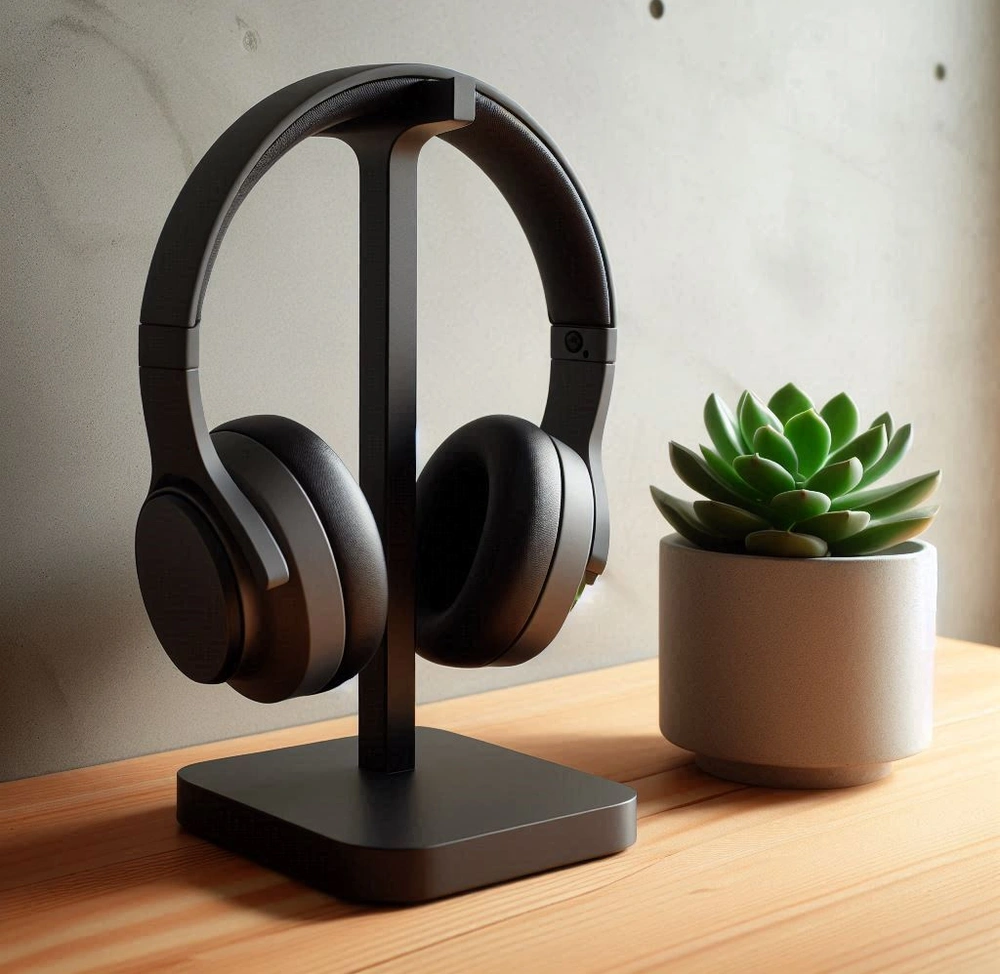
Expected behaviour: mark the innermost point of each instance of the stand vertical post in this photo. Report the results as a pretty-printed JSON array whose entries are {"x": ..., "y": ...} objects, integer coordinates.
[{"x": 387, "y": 150}]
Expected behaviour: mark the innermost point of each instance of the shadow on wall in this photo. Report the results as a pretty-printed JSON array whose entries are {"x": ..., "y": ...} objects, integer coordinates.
[
  {"x": 72, "y": 626},
  {"x": 69, "y": 644},
  {"x": 74, "y": 244},
  {"x": 966, "y": 341}
]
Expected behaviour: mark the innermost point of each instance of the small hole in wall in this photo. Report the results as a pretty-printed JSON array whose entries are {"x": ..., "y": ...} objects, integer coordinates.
[
  {"x": 656, "y": 9},
  {"x": 940, "y": 72}
]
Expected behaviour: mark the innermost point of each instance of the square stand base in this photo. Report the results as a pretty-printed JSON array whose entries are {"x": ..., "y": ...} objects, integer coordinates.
[{"x": 470, "y": 814}]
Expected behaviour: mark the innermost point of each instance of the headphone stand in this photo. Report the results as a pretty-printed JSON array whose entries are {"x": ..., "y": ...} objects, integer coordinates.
[{"x": 400, "y": 814}]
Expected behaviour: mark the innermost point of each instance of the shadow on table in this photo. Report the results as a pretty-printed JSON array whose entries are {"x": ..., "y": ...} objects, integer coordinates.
[
  {"x": 664, "y": 775},
  {"x": 145, "y": 857}
]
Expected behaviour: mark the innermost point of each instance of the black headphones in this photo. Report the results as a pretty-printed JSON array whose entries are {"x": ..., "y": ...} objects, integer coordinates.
[{"x": 259, "y": 560}]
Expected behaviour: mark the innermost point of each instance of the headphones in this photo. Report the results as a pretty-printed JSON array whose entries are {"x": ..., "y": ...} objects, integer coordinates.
[{"x": 258, "y": 557}]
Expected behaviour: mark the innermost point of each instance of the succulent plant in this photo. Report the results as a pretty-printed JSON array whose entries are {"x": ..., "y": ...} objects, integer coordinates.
[{"x": 785, "y": 479}]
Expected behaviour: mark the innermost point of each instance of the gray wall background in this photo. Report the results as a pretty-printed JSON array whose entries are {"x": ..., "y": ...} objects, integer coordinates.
[{"x": 786, "y": 190}]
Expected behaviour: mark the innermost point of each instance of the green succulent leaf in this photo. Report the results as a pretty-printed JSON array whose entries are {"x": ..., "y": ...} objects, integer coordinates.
[
  {"x": 882, "y": 502},
  {"x": 765, "y": 476},
  {"x": 841, "y": 416},
  {"x": 752, "y": 415},
  {"x": 884, "y": 420},
  {"x": 810, "y": 437},
  {"x": 732, "y": 523},
  {"x": 785, "y": 544},
  {"x": 724, "y": 472},
  {"x": 867, "y": 447},
  {"x": 835, "y": 525},
  {"x": 696, "y": 473},
  {"x": 838, "y": 478},
  {"x": 797, "y": 505},
  {"x": 886, "y": 533},
  {"x": 776, "y": 446},
  {"x": 682, "y": 518},
  {"x": 723, "y": 429},
  {"x": 789, "y": 401},
  {"x": 790, "y": 480},
  {"x": 894, "y": 452}
]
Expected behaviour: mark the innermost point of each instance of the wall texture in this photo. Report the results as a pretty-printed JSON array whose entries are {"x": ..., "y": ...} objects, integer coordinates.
[{"x": 786, "y": 191}]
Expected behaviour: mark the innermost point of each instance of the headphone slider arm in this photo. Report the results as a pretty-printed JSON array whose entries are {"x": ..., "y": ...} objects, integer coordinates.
[{"x": 168, "y": 347}]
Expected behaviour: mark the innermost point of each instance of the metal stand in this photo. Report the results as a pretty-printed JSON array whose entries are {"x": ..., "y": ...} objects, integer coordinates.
[{"x": 400, "y": 814}]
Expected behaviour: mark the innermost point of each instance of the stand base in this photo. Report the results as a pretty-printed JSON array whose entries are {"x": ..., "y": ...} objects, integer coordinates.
[{"x": 470, "y": 815}]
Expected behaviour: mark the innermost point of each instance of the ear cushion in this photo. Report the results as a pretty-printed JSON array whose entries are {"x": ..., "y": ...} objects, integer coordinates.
[
  {"x": 347, "y": 521},
  {"x": 488, "y": 510}
]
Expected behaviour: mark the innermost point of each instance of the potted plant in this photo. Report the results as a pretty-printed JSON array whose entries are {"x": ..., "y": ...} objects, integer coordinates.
[{"x": 797, "y": 615}]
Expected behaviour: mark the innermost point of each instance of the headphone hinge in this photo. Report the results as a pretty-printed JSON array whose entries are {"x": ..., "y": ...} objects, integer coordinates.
[
  {"x": 575, "y": 414},
  {"x": 583, "y": 343}
]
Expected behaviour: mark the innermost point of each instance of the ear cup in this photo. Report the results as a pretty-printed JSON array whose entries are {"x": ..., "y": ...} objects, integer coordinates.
[
  {"x": 347, "y": 521},
  {"x": 188, "y": 586},
  {"x": 488, "y": 520}
]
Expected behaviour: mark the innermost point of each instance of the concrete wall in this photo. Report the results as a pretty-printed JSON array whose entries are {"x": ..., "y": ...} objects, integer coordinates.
[{"x": 787, "y": 191}]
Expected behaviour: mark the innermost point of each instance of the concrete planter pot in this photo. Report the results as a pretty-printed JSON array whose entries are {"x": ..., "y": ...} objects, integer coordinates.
[{"x": 797, "y": 673}]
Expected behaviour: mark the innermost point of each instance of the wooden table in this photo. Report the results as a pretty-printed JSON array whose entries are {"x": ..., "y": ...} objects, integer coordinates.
[{"x": 902, "y": 874}]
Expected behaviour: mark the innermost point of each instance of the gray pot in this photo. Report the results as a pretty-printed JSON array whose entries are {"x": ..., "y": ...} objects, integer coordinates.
[{"x": 797, "y": 672}]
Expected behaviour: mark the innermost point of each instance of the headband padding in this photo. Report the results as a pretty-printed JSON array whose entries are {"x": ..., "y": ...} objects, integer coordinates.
[
  {"x": 347, "y": 521},
  {"x": 502, "y": 141},
  {"x": 552, "y": 212},
  {"x": 488, "y": 509}
]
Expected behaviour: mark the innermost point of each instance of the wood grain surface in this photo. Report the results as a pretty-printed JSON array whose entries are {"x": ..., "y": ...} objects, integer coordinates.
[{"x": 899, "y": 875}]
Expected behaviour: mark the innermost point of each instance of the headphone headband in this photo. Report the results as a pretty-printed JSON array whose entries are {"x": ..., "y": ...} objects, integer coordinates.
[{"x": 503, "y": 141}]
